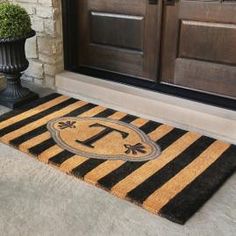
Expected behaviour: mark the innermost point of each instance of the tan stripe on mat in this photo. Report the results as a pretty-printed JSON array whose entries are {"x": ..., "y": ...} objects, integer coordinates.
[
  {"x": 139, "y": 122},
  {"x": 33, "y": 111},
  {"x": 160, "y": 132},
  {"x": 50, "y": 152},
  {"x": 92, "y": 112},
  {"x": 117, "y": 115},
  {"x": 148, "y": 169},
  {"x": 102, "y": 170},
  {"x": 175, "y": 185},
  {"x": 24, "y": 147},
  {"x": 68, "y": 165}
]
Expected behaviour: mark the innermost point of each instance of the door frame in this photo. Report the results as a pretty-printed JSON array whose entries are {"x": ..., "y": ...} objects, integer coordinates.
[{"x": 70, "y": 41}]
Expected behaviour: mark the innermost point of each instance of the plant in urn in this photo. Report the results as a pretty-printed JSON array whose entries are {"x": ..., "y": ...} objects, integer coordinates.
[{"x": 15, "y": 28}]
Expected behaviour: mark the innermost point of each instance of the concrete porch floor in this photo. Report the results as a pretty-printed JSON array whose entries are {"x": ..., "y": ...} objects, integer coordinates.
[{"x": 36, "y": 199}]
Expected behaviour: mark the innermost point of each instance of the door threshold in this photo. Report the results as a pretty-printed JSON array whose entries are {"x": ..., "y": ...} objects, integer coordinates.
[{"x": 209, "y": 120}]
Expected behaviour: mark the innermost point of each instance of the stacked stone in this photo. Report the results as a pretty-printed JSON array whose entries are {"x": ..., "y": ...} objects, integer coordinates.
[{"x": 45, "y": 50}]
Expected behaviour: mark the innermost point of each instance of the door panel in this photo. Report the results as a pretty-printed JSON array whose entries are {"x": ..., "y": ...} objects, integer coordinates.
[
  {"x": 103, "y": 26},
  {"x": 199, "y": 46},
  {"x": 121, "y": 36},
  {"x": 216, "y": 38}
]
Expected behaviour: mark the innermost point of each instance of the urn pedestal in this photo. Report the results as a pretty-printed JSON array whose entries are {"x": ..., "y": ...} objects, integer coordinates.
[{"x": 12, "y": 63}]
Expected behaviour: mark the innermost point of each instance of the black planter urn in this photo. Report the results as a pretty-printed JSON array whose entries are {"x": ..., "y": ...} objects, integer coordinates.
[{"x": 12, "y": 63}]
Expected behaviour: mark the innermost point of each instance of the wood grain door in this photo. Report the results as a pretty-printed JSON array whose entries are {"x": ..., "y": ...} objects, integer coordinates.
[
  {"x": 199, "y": 45},
  {"x": 121, "y": 36}
]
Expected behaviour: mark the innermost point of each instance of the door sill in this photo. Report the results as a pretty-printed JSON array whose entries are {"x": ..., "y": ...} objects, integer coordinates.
[{"x": 209, "y": 120}]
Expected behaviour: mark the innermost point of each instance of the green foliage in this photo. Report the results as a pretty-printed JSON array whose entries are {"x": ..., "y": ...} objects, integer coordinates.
[{"x": 14, "y": 21}]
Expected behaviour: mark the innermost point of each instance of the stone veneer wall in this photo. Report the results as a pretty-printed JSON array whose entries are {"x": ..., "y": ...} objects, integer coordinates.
[{"x": 45, "y": 50}]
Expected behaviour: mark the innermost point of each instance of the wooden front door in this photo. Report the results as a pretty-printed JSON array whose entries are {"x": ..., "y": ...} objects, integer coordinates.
[
  {"x": 199, "y": 45},
  {"x": 121, "y": 36}
]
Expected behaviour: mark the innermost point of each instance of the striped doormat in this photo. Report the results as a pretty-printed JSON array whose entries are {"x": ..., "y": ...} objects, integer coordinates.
[{"x": 166, "y": 170}]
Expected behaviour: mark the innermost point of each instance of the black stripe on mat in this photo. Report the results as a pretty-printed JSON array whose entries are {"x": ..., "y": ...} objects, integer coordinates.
[
  {"x": 106, "y": 113},
  {"x": 29, "y": 106},
  {"x": 81, "y": 110},
  {"x": 120, "y": 173},
  {"x": 150, "y": 126},
  {"x": 150, "y": 185},
  {"x": 127, "y": 168},
  {"x": 35, "y": 117},
  {"x": 29, "y": 135},
  {"x": 61, "y": 157},
  {"x": 188, "y": 201},
  {"x": 65, "y": 155},
  {"x": 128, "y": 118},
  {"x": 40, "y": 130},
  {"x": 37, "y": 150},
  {"x": 170, "y": 138},
  {"x": 87, "y": 166}
]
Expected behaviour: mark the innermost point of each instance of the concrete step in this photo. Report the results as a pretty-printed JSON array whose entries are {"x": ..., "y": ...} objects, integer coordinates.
[{"x": 182, "y": 113}]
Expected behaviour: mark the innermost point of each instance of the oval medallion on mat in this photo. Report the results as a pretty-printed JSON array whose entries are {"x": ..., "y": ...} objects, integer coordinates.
[{"x": 103, "y": 138}]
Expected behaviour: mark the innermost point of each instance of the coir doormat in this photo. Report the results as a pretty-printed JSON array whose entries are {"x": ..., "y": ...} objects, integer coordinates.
[{"x": 166, "y": 170}]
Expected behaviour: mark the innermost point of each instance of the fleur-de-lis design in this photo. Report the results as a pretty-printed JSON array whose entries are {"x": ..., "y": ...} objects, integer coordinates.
[
  {"x": 67, "y": 124},
  {"x": 135, "y": 149}
]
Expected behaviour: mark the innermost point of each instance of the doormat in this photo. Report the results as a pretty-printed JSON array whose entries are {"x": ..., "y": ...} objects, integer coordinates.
[{"x": 165, "y": 170}]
